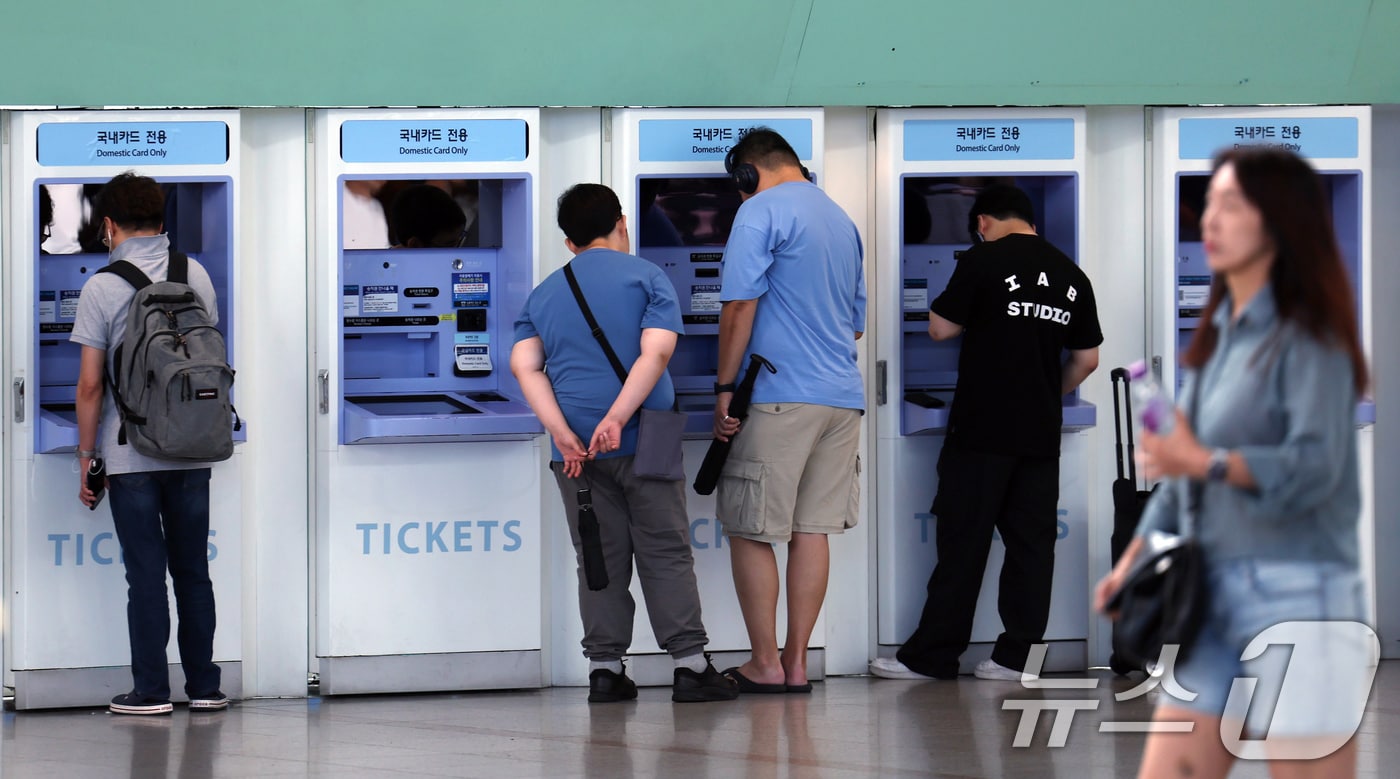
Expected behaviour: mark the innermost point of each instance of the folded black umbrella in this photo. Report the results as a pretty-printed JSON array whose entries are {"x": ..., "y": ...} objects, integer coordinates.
[{"x": 708, "y": 476}]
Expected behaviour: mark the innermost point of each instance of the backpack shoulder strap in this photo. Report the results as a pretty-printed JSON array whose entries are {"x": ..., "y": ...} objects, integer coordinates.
[
  {"x": 129, "y": 272},
  {"x": 179, "y": 268}
]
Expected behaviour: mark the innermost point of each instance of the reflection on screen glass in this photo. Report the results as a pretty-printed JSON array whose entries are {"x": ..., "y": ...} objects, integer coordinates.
[
  {"x": 71, "y": 228},
  {"x": 74, "y": 224},
  {"x": 936, "y": 207},
  {"x": 1191, "y": 203},
  {"x": 693, "y": 211},
  {"x": 418, "y": 213}
]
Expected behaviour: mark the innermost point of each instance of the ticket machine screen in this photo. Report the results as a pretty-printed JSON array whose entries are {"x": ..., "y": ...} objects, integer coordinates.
[
  {"x": 682, "y": 226},
  {"x": 1341, "y": 192},
  {"x": 935, "y": 230},
  {"x": 198, "y": 220},
  {"x": 432, "y": 276}
]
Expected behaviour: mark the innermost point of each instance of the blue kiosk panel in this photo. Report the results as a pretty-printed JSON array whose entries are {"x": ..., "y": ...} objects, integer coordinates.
[
  {"x": 427, "y": 325},
  {"x": 198, "y": 220},
  {"x": 682, "y": 225},
  {"x": 1341, "y": 190},
  {"x": 935, "y": 231}
]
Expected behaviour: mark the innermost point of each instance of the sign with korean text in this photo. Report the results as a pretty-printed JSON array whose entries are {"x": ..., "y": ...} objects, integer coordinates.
[
  {"x": 124, "y": 144},
  {"x": 1328, "y": 137},
  {"x": 442, "y": 140},
  {"x": 708, "y": 140},
  {"x": 927, "y": 140}
]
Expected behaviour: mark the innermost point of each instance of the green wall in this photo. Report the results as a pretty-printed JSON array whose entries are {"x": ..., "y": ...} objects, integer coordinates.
[{"x": 706, "y": 52}]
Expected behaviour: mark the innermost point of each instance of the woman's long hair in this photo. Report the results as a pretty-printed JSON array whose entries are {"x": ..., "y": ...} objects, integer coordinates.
[{"x": 1310, "y": 285}]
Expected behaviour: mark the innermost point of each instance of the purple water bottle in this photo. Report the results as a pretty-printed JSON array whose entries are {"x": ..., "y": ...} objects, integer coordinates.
[{"x": 1155, "y": 411}]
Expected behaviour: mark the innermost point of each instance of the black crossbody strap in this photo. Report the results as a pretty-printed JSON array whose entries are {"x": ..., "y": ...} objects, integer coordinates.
[
  {"x": 593, "y": 324},
  {"x": 1193, "y": 511}
]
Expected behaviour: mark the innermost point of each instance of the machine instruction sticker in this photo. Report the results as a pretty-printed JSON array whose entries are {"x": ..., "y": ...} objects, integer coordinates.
[
  {"x": 350, "y": 300},
  {"x": 915, "y": 294},
  {"x": 704, "y": 298},
  {"x": 1191, "y": 294},
  {"x": 473, "y": 351},
  {"x": 988, "y": 139},
  {"x": 48, "y": 307},
  {"x": 471, "y": 290},
  {"x": 128, "y": 143},
  {"x": 381, "y": 299},
  {"x": 1328, "y": 137},
  {"x": 443, "y": 140},
  {"x": 697, "y": 140},
  {"x": 68, "y": 303}
]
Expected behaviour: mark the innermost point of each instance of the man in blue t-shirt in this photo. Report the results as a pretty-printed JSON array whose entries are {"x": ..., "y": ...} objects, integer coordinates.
[
  {"x": 637, "y": 310},
  {"x": 793, "y": 291}
]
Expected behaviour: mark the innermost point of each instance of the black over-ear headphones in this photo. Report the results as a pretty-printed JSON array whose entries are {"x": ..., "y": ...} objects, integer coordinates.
[{"x": 744, "y": 174}]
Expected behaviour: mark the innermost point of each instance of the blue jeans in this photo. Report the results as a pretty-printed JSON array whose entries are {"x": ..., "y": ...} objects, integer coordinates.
[{"x": 162, "y": 521}]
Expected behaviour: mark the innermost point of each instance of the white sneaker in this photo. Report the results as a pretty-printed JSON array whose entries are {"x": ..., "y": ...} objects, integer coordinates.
[
  {"x": 991, "y": 669},
  {"x": 890, "y": 668}
]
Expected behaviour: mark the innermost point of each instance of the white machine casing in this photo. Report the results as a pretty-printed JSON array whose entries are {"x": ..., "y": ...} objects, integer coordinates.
[
  {"x": 393, "y": 611},
  {"x": 66, "y": 621},
  {"x": 906, "y": 478}
]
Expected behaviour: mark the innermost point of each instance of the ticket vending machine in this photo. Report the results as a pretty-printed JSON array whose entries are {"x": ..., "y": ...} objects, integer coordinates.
[
  {"x": 428, "y": 466},
  {"x": 1336, "y": 140},
  {"x": 668, "y": 171},
  {"x": 930, "y": 164},
  {"x": 65, "y": 582}
]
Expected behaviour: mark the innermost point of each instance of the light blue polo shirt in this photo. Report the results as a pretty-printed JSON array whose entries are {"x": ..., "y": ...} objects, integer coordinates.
[
  {"x": 797, "y": 253},
  {"x": 627, "y": 294}
]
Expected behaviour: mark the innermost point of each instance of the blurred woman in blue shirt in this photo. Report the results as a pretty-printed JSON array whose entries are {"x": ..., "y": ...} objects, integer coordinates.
[{"x": 1273, "y": 375}]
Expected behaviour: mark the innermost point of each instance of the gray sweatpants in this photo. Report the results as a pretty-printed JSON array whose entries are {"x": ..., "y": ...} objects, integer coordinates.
[{"x": 645, "y": 521}]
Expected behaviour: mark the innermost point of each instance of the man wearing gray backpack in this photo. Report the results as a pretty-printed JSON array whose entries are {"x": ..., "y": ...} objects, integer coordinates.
[{"x": 160, "y": 505}]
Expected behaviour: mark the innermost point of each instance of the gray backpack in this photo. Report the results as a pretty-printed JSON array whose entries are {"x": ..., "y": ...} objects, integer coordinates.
[{"x": 171, "y": 377}]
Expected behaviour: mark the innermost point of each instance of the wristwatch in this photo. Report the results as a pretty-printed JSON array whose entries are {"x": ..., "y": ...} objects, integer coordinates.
[
  {"x": 730, "y": 387},
  {"x": 1219, "y": 466}
]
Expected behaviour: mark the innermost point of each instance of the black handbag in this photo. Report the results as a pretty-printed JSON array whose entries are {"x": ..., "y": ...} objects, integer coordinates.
[
  {"x": 659, "y": 431},
  {"x": 1162, "y": 601}
]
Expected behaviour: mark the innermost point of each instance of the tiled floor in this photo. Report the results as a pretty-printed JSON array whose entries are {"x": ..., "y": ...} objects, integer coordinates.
[{"x": 848, "y": 727}]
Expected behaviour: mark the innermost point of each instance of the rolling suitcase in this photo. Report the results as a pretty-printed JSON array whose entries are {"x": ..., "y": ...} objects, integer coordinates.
[{"x": 1128, "y": 500}]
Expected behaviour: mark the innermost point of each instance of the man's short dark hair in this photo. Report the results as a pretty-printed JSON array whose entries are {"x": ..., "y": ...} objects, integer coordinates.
[
  {"x": 133, "y": 202},
  {"x": 427, "y": 216},
  {"x": 1003, "y": 201},
  {"x": 588, "y": 212},
  {"x": 765, "y": 148}
]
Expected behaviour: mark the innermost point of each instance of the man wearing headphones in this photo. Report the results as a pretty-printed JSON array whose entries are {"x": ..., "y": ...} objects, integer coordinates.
[{"x": 793, "y": 291}]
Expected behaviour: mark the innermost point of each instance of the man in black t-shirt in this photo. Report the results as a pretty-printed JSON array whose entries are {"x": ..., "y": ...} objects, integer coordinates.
[{"x": 1019, "y": 304}]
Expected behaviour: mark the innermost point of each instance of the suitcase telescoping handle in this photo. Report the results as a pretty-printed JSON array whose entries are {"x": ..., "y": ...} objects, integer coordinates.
[{"x": 1122, "y": 420}]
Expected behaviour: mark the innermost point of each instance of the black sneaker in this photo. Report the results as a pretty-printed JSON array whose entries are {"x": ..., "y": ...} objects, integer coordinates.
[
  {"x": 131, "y": 703},
  {"x": 604, "y": 686},
  {"x": 707, "y": 685},
  {"x": 216, "y": 702}
]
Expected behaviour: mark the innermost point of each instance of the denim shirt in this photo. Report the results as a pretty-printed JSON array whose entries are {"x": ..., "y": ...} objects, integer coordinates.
[{"x": 1286, "y": 403}]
